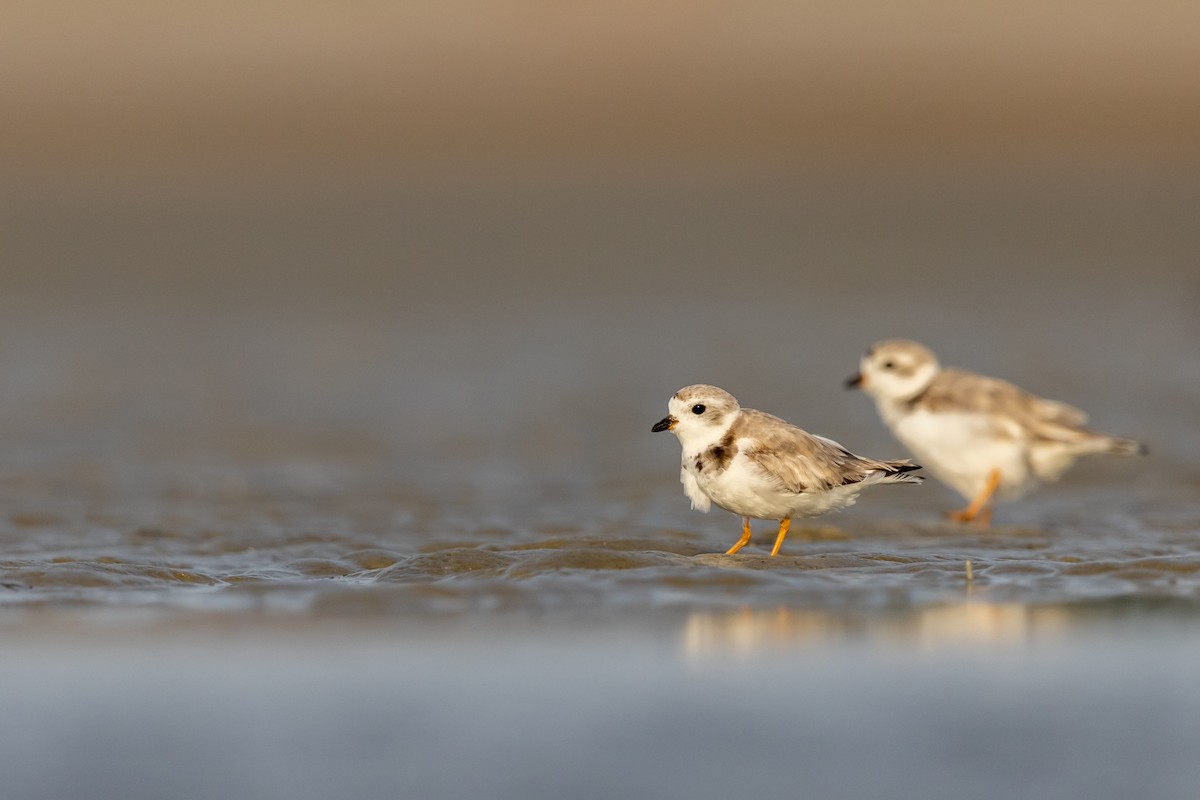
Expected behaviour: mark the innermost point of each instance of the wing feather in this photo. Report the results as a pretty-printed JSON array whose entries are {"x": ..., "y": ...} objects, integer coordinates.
[
  {"x": 800, "y": 461},
  {"x": 1039, "y": 418}
]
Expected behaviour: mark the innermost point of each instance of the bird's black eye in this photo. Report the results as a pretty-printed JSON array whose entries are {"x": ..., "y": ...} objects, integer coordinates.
[
  {"x": 698, "y": 408},
  {"x": 889, "y": 365}
]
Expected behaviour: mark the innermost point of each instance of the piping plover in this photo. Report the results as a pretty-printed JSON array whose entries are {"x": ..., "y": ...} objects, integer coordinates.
[
  {"x": 759, "y": 466},
  {"x": 984, "y": 437}
]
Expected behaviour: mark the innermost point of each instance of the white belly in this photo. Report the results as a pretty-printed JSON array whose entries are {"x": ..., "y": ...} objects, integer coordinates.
[
  {"x": 962, "y": 449},
  {"x": 744, "y": 490}
]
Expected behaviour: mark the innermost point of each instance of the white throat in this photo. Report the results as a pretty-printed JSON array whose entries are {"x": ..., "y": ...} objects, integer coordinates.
[
  {"x": 897, "y": 404},
  {"x": 892, "y": 410},
  {"x": 696, "y": 436}
]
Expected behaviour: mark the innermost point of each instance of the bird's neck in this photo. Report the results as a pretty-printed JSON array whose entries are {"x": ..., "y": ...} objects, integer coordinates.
[{"x": 696, "y": 441}]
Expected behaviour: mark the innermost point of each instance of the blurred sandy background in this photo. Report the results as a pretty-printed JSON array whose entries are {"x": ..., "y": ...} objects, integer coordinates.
[
  {"x": 132, "y": 118},
  {"x": 114, "y": 85},
  {"x": 110, "y": 86}
]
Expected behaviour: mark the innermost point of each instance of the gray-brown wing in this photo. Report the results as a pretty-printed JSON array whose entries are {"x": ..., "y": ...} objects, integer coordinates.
[
  {"x": 958, "y": 390},
  {"x": 798, "y": 460}
]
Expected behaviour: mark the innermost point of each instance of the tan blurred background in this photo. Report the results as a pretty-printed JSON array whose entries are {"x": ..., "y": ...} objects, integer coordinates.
[{"x": 125, "y": 85}]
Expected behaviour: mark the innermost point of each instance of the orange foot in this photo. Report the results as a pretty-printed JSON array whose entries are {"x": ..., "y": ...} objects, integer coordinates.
[
  {"x": 982, "y": 517},
  {"x": 979, "y": 511},
  {"x": 745, "y": 540}
]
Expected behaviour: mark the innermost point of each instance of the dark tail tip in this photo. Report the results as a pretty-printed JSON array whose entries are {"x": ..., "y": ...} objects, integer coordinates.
[{"x": 898, "y": 471}]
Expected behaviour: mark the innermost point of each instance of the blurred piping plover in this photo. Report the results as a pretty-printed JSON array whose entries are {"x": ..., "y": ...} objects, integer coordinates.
[
  {"x": 756, "y": 465},
  {"x": 984, "y": 437}
]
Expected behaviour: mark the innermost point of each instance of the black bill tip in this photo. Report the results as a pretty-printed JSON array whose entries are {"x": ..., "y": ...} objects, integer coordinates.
[
  {"x": 663, "y": 424},
  {"x": 854, "y": 381}
]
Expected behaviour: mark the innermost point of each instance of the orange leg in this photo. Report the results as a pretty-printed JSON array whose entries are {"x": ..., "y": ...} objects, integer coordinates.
[
  {"x": 745, "y": 540},
  {"x": 976, "y": 511},
  {"x": 784, "y": 524}
]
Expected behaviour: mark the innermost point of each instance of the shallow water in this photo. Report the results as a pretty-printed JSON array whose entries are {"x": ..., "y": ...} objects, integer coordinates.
[
  {"x": 987, "y": 700},
  {"x": 323, "y": 487}
]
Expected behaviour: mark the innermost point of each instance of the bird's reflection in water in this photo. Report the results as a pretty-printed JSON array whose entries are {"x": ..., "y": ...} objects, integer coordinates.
[{"x": 750, "y": 631}]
